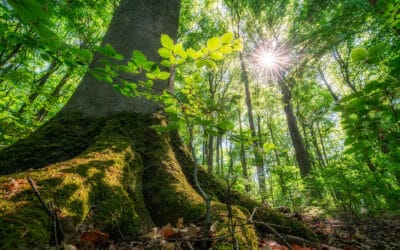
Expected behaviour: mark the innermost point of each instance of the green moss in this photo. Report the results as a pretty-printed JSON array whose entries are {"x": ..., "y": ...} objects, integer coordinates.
[
  {"x": 244, "y": 233},
  {"x": 296, "y": 228},
  {"x": 218, "y": 191},
  {"x": 60, "y": 139},
  {"x": 117, "y": 174},
  {"x": 168, "y": 194},
  {"x": 102, "y": 184}
]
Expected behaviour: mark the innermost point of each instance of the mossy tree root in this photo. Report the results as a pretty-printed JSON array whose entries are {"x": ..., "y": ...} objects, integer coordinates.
[{"x": 118, "y": 174}]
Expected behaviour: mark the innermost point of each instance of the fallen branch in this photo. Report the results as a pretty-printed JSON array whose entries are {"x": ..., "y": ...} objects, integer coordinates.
[
  {"x": 36, "y": 192},
  {"x": 302, "y": 242},
  {"x": 283, "y": 239},
  {"x": 197, "y": 240},
  {"x": 52, "y": 213}
]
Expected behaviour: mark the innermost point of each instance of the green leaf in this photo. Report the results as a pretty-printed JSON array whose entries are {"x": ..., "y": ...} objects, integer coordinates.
[
  {"x": 192, "y": 53},
  {"x": 237, "y": 46},
  {"x": 359, "y": 54},
  {"x": 163, "y": 75},
  {"x": 214, "y": 43},
  {"x": 227, "y": 38},
  {"x": 166, "y": 63},
  {"x": 167, "y": 42},
  {"x": 210, "y": 64},
  {"x": 107, "y": 50},
  {"x": 179, "y": 51},
  {"x": 164, "y": 53},
  {"x": 150, "y": 76},
  {"x": 216, "y": 56},
  {"x": 225, "y": 50},
  {"x": 118, "y": 57},
  {"x": 200, "y": 63},
  {"x": 139, "y": 58},
  {"x": 107, "y": 78}
]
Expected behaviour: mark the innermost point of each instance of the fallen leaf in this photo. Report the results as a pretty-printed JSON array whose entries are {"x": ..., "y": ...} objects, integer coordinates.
[
  {"x": 169, "y": 231},
  {"x": 95, "y": 236}
]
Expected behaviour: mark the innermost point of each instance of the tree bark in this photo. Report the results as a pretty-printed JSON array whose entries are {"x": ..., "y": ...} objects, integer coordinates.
[
  {"x": 136, "y": 25},
  {"x": 210, "y": 154},
  {"x": 344, "y": 69},
  {"x": 328, "y": 86},
  {"x": 37, "y": 86},
  {"x": 256, "y": 146},
  {"x": 243, "y": 160},
  {"x": 302, "y": 157},
  {"x": 42, "y": 113}
]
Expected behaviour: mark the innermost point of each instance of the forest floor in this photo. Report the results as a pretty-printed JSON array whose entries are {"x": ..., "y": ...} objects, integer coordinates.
[
  {"x": 333, "y": 233},
  {"x": 345, "y": 234}
]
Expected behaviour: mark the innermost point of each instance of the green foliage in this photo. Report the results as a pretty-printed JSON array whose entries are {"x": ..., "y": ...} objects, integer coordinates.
[{"x": 45, "y": 47}]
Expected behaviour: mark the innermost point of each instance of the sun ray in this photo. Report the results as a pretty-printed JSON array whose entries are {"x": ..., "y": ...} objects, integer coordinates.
[{"x": 270, "y": 59}]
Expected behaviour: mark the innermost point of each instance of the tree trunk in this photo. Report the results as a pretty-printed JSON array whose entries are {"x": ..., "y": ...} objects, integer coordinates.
[
  {"x": 37, "y": 86},
  {"x": 344, "y": 69},
  {"x": 210, "y": 154},
  {"x": 136, "y": 25},
  {"x": 302, "y": 157},
  {"x": 321, "y": 140},
  {"x": 328, "y": 86},
  {"x": 256, "y": 147},
  {"x": 320, "y": 157},
  {"x": 42, "y": 113},
  {"x": 243, "y": 159}
]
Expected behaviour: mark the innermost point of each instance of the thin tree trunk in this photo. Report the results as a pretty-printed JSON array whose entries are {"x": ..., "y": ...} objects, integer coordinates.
[
  {"x": 321, "y": 140},
  {"x": 328, "y": 86},
  {"x": 247, "y": 187},
  {"x": 210, "y": 154},
  {"x": 256, "y": 147},
  {"x": 205, "y": 146},
  {"x": 302, "y": 157},
  {"x": 316, "y": 146},
  {"x": 11, "y": 54},
  {"x": 38, "y": 84},
  {"x": 42, "y": 113},
  {"x": 344, "y": 69},
  {"x": 217, "y": 154},
  {"x": 276, "y": 153},
  {"x": 221, "y": 150}
]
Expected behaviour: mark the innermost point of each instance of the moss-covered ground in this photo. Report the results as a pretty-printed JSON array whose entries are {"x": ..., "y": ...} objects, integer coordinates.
[{"x": 116, "y": 175}]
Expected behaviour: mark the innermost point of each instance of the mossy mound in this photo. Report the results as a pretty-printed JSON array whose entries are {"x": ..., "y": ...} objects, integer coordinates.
[
  {"x": 245, "y": 233},
  {"x": 58, "y": 140},
  {"x": 118, "y": 175},
  {"x": 87, "y": 186},
  {"x": 287, "y": 225}
]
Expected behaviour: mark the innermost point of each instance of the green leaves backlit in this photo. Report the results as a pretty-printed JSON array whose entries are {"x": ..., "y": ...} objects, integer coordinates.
[
  {"x": 172, "y": 55},
  {"x": 207, "y": 56}
]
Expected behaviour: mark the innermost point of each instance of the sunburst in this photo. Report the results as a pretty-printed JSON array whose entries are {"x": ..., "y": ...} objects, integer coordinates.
[{"x": 271, "y": 58}]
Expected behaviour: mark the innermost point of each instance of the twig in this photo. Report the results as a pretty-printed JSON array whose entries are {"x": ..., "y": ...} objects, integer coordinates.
[
  {"x": 52, "y": 213},
  {"x": 253, "y": 213},
  {"x": 46, "y": 208},
  {"x": 300, "y": 241},
  {"x": 197, "y": 240}
]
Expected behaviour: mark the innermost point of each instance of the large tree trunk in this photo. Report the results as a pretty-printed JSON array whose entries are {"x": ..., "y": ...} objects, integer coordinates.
[{"x": 136, "y": 25}]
